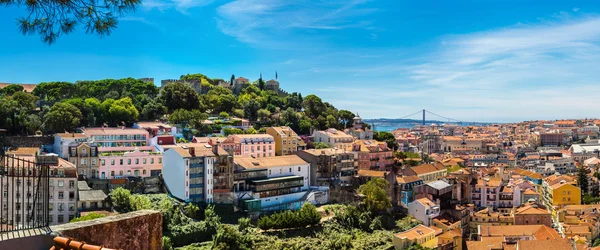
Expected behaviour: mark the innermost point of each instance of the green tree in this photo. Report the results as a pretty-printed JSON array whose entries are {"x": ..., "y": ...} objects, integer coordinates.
[
  {"x": 62, "y": 117},
  {"x": 313, "y": 106},
  {"x": 139, "y": 202},
  {"x": 375, "y": 192},
  {"x": 122, "y": 112},
  {"x": 191, "y": 210},
  {"x": 251, "y": 110},
  {"x": 179, "y": 96},
  {"x": 263, "y": 114},
  {"x": 153, "y": 110},
  {"x": 347, "y": 118},
  {"x": 51, "y": 19},
  {"x": 11, "y": 89},
  {"x": 121, "y": 199},
  {"x": 54, "y": 91},
  {"x": 386, "y": 137},
  {"x": 223, "y": 115}
]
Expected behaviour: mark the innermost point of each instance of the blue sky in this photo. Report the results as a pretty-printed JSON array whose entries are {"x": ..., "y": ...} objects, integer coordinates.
[{"x": 469, "y": 60}]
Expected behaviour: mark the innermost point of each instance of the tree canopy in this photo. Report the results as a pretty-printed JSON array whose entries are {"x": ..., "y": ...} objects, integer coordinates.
[
  {"x": 51, "y": 19},
  {"x": 375, "y": 192}
]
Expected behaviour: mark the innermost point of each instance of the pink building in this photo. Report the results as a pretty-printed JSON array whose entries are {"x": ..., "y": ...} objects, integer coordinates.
[
  {"x": 135, "y": 163},
  {"x": 257, "y": 145},
  {"x": 372, "y": 154}
]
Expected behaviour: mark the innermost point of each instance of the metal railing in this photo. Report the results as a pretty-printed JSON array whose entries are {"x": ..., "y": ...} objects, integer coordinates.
[{"x": 24, "y": 192}]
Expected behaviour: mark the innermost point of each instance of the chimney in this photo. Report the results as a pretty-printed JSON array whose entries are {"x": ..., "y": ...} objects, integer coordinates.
[
  {"x": 215, "y": 149},
  {"x": 192, "y": 151}
]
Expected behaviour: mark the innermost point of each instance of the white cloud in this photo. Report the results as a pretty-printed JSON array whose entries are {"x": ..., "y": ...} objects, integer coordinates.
[
  {"x": 542, "y": 71},
  {"x": 180, "y": 5},
  {"x": 271, "y": 22}
]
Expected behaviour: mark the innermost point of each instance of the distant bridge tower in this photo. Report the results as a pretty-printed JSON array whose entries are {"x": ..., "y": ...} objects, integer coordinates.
[{"x": 423, "y": 117}]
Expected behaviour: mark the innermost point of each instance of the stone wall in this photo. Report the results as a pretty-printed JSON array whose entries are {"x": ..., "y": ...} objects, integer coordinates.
[
  {"x": 135, "y": 230},
  {"x": 29, "y": 141}
]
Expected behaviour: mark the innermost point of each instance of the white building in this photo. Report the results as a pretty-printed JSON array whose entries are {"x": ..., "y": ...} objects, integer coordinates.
[
  {"x": 424, "y": 210},
  {"x": 24, "y": 192},
  {"x": 62, "y": 141},
  {"x": 188, "y": 172},
  {"x": 333, "y": 138},
  {"x": 275, "y": 183}
]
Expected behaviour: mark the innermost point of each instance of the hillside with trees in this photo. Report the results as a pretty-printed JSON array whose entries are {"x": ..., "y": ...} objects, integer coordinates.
[{"x": 64, "y": 106}]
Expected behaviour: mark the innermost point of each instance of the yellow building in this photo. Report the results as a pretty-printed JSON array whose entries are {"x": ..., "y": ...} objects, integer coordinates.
[
  {"x": 563, "y": 193},
  {"x": 422, "y": 235},
  {"x": 287, "y": 141}
]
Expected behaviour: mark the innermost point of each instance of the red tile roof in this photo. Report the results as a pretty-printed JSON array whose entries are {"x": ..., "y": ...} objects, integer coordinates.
[{"x": 61, "y": 243}]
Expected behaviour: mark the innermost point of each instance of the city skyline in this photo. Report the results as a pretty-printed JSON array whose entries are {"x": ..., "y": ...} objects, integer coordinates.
[{"x": 469, "y": 61}]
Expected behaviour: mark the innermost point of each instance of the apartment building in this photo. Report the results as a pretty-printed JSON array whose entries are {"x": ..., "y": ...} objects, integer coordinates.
[
  {"x": 132, "y": 163},
  {"x": 63, "y": 140},
  {"x": 372, "y": 154},
  {"x": 85, "y": 157},
  {"x": 486, "y": 192},
  {"x": 119, "y": 139},
  {"x": 274, "y": 183},
  {"x": 257, "y": 145},
  {"x": 562, "y": 194},
  {"x": 333, "y": 137},
  {"x": 189, "y": 172},
  {"x": 329, "y": 166},
  {"x": 552, "y": 139},
  {"x": 23, "y": 193},
  {"x": 420, "y": 234},
  {"x": 287, "y": 142},
  {"x": 532, "y": 214},
  {"x": 424, "y": 209}
]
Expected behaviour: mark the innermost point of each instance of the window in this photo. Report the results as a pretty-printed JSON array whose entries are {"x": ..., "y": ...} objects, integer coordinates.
[
  {"x": 137, "y": 161},
  {"x": 121, "y": 172},
  {"x": 128, "y": 161},
  {"x": 71, "y": 195},
  {"x": 136, "y": 172},
  {"x": 61, "y": 195},
  {"x": 144, "y": 172},
  {"x": 564, "y": 192},
  {"x": 144, "y": 161},
  {"x": 112, "y": 162},
  {"x": 159, "y": 160},
  {"x": 568, "y": 192},
  {"x": 112, "y": 173},
  {"x": 61, "y": 183},
  {"x": 71, "y": 184},
  {"x": 61, "y": 218},
  {"x": 299, "y": 169},
  {"x": 186, "y": 173},
  {"x": 120, "y": 161},
  {"x": 103, "y": 175},
  {"x": 103, "y": 162},
  {"x": 93, "y": 161},
  {"x": 50, "y": 206},
  {"x": 151, "y": 160},
  {"x": 61, "y": 206},
  {"x": 128, "y": 172},
  {"x": 71, "y": 206},
  {"x": 83, "y": 162},
  {"x": 51, "y": 182},
  {"x": 290, "y": 170}
]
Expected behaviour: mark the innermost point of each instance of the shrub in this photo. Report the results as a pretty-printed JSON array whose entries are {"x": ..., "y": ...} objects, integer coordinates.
[
  {"x": 89, "y": 216},
  {"x": 306, "y": 216}
]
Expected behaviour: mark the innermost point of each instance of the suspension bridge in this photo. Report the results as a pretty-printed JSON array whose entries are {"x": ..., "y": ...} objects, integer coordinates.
[{"x": 425, "y": 114}]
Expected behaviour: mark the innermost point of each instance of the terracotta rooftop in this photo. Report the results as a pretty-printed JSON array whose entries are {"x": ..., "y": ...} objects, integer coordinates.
[
  {"x": 428, "y": 168},
  {"x": 248, "y": 162},
  {"x": 553, "y": 244},
  {"x": 371, "y": 173},
  {"x": 416, "y": 232},
  {"x": 63, "y": 243},
  {"x": 538, "y": 231},
  {"x": 529, "y": 209}
]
